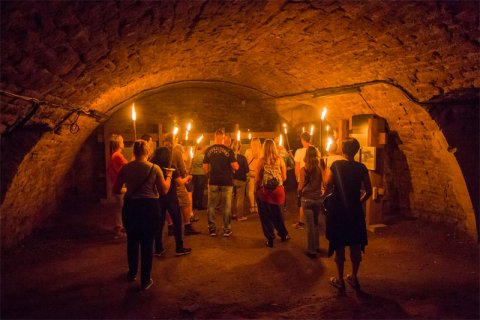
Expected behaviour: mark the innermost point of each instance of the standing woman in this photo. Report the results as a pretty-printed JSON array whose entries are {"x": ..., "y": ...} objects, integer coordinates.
[
  {"x": 346, "y": 220},
  {"x": 117, "y": 161},
  {"x": 253, "y": 156},
  {"x": 310, "y": 192},
  {"x": 144, "y": 181},
  {"x": 270, "y": 174},
  {"x": 162, "y": 157}
]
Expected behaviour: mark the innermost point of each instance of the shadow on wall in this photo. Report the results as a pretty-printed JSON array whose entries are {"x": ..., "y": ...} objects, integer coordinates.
[
  {"x": 14, "y": 148},
  {"x": 397, "y": 177},
  {"x": 457, "y": 115}
]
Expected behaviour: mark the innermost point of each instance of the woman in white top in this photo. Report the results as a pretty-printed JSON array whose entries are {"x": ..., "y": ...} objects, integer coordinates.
[
  {"x": 144, "y": 181},
  {"x": 253, "y": 156}
]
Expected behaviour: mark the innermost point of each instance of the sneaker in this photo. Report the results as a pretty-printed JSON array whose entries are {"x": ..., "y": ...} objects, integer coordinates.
[
  {"x": 227, "y": 233},
  {"x": 212, "y": 233},
  {"x": 131, "y": 277},
  {"x": 242, "y": 219},
  {"x": 159, "y": 253},
  {"x": 190, "y": 231},
  {"x": 269, "y": 243},
  {"x": 147, "y": 285},
  {"x": 299, "y": 225},
  {"x": 183, "y": 251}
]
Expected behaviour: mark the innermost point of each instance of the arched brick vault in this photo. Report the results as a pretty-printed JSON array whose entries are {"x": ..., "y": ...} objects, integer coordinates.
[{"x": 98, "y": 55}]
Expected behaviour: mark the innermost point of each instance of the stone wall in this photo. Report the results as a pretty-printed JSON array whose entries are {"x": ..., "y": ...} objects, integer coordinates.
[{"x": 422, "y": 176}]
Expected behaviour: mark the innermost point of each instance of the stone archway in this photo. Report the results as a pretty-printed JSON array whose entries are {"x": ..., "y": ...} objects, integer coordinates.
[{"x": 94, "y": 56}]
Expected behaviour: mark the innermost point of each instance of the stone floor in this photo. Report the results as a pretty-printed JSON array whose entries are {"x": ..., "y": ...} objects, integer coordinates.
[{"x": 72, "y": 268}]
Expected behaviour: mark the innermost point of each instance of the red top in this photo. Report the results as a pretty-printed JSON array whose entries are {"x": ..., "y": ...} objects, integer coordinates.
[
  {"x": 117, "y": 161},
  {"x": 275, "y": 196}
]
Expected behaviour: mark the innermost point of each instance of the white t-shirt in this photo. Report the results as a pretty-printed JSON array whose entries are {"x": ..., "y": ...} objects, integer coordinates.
[{"x": 300, "y": 155}]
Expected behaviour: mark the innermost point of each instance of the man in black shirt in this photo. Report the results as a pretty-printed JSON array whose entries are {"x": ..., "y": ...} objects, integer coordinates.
[{"x": 219, "y": 164}]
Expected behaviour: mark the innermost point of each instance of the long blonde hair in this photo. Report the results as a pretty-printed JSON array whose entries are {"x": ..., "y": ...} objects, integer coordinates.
[
  {"x": 256, "y": 147},
  {"x": 269, "y": 152}
]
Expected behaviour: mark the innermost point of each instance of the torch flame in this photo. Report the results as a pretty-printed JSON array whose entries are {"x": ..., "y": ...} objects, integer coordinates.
[
  {"x": 200, "y": 139},
  {"x": 280, "y": 142},
  {"x": 134, "y": 114},
  {"x": 324, "y": 113},
  {"x": 328, "y": 127},
  {"x": 329, "y": 143},
  {"x": 311, "y": 130},
  {"x": 189, "y": 126},
  {"x": 303, "y": 129},
  {"x": 191, "y": 152},
  {"x": 175, "y": 131},
  {"x": 238, "y": 135}
]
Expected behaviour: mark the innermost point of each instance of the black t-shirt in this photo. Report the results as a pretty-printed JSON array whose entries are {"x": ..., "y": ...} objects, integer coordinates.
[
  {"x": 348, "y": 177},
  {"x": 241, "y": 173},
  {"x": 220, "y": 157}
]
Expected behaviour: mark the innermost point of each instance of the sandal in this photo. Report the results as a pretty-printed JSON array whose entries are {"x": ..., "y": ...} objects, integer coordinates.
[
  {"x": 337, "y": 283},
  {"x": 352, "y": 282}
]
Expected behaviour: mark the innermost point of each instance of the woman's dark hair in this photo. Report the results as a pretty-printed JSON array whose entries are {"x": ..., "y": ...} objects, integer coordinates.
[
  {"x": 312, "y": 163},
  {"x": 161, "y": 157},
  {"x": 350, "y": 147}
]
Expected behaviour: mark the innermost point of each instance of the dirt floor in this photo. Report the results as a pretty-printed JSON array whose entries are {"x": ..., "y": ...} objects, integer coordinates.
[{"x": 72, "y": 268}]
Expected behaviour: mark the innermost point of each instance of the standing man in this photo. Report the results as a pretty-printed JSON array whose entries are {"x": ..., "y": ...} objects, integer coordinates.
[
  {"x": 299, "y": 164},
  {"x": 219, "y": 163}
]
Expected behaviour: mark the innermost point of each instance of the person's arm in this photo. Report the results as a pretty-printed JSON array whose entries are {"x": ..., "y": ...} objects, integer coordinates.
[
  {"x": 283, "y": 169},
  {"x": 258, "y": 171},
  {"x": 301, "y": 180},
  {"x": 368, "y": 188},
  {"x": 328, "y": 180},
  {"x": 163, "y": 184},
  {"x": 233, "y": 160},
  {"x": 206, "y": 168},
  {"x": 182, "y": 181}
]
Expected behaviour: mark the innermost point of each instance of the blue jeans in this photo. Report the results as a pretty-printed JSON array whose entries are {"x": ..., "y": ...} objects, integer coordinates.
[
  {"x": 222, "y": 195},
  {"x": 311, "y": 209}
]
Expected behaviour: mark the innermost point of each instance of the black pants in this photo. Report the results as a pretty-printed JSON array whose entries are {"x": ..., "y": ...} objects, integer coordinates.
[
  {"x": 140, "y": 219},
  {"x": 170, "y": 204},
  {"x": 199, "y": 182},
  {"x": 271, "y": 218}
]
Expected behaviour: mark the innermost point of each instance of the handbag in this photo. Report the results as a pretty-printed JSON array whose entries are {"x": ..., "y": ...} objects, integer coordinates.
[{"x": 272, "y": 184}]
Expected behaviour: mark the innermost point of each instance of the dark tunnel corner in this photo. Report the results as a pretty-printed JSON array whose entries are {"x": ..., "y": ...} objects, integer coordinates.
[{"x": 457, "y": 115}]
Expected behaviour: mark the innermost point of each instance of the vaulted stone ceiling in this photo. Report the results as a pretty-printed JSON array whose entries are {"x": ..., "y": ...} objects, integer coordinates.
[
  {"x": 96, "y": 57},
  {"x": 97, "y": 54}
]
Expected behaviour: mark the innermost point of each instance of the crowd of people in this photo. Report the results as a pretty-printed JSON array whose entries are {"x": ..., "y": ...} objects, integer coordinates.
[{"x": 168, "y": 184}]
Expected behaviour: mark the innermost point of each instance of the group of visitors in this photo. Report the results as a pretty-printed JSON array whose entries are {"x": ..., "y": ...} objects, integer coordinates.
[{"x": 160, "y": 189}]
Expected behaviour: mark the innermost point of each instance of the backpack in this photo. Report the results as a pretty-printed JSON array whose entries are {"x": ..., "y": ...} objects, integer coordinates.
[{"x": 271, "y": 176}]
